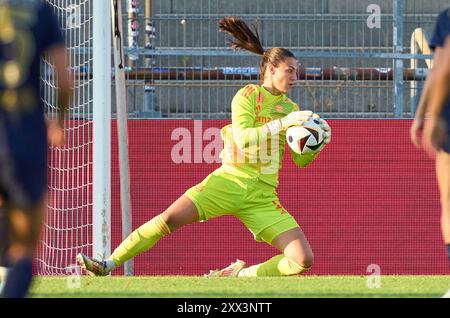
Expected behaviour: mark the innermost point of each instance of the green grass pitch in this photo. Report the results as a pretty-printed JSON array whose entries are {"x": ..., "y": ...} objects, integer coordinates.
[{"x": 265, "y": 287}]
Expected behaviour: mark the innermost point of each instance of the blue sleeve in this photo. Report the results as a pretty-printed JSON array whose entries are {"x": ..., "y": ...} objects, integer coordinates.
[
  {"x": 441, "y": 29},
  {"x": 50, "y": 27}
]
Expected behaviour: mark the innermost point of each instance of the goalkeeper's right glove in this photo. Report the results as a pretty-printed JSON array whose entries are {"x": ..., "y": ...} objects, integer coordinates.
[
  {"x": 292, "y": 119},
  {"x": 325, "y": 127}
]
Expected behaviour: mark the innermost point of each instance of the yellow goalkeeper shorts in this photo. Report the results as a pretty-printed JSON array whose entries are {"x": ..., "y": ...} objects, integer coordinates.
[{"x": 255, "y": 203}]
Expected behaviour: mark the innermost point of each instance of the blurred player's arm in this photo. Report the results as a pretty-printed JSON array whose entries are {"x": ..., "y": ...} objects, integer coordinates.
[
  {"x": 54, "y": 46},
  {"x": 436, "y": 43},
  {"x": 57, "y": 54},
  {"x": 422, "y": 108}
]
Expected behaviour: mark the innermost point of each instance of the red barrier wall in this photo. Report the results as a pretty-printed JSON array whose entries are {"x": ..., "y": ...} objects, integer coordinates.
[{"x": 369, "y": 198}]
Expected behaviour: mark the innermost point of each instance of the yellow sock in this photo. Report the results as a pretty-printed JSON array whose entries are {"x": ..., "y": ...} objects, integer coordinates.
[
  {"x": 278, "y": 265},
  {"x": 140, "y": 240}
]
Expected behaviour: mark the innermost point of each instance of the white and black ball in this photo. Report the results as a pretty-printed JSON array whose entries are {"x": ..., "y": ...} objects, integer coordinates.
[{"x": 305, "y": 139}]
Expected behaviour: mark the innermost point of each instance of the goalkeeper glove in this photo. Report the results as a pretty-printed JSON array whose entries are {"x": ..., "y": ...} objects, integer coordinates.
[
  {"x": 325, "y": 127},
  {"x": 292, "y": 119}
]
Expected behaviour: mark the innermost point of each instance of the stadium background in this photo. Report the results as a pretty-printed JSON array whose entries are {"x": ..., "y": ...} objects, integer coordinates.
[{"x": 369, "y": 198}]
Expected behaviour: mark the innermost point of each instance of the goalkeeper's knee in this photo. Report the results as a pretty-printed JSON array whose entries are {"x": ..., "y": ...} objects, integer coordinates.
[{"x": 290, "y": 267}]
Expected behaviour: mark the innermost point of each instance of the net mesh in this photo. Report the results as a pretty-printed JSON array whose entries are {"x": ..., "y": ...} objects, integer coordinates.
[{"x": 68, "y": 227}]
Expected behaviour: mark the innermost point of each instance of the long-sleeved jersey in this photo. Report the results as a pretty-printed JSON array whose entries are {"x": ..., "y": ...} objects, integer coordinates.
[{"x": 248, "y": 150}]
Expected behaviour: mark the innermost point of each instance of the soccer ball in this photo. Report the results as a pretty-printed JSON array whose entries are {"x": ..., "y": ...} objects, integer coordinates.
[{"x": 305, "y": 139}]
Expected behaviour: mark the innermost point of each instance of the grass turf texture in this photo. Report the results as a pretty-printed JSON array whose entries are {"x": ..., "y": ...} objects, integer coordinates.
[{"x": 266, "y": 287}]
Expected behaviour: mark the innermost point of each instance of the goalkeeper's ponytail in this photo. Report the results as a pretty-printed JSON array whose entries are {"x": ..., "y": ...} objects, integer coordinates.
[{"x": 245, "y": 39}]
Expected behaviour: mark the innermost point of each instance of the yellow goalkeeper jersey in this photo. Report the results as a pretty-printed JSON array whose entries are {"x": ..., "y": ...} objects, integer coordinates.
[{"x": 248, "y": 151}]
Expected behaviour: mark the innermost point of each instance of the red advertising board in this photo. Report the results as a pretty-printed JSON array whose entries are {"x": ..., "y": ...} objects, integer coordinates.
[{"x": 369, "y": 198}]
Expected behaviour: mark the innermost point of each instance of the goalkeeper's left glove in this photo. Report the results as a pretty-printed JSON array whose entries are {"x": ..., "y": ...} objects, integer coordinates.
[{"x": 325, "y": 127}]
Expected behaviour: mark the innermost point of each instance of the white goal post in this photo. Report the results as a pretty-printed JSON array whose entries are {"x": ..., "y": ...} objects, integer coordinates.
[{"x": 122, "y": 126}]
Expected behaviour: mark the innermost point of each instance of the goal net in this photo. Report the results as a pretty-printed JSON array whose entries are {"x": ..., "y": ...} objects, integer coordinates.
[{"x": 69, "y": 227}]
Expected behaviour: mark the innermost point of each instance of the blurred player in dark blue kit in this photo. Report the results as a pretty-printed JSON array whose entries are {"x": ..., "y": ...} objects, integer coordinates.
[
  {"x": 436, "y": 135},
  {"x": 436, "y": 129},
  {"x": 28, "y": 29}
]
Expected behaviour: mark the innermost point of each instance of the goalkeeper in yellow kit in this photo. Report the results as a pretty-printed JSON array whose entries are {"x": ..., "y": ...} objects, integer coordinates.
[{"x": 246, "y": 183}]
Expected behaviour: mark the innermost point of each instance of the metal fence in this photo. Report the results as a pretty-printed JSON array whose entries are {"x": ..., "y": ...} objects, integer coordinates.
[{"x": 357, "y": 57}]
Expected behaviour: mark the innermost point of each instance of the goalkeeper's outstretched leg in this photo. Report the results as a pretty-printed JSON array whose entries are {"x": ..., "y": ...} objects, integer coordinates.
[{"x": 182, "y": 212}]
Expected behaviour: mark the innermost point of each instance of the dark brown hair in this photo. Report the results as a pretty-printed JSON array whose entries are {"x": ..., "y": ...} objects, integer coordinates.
[{"x": 247, "y": 39}]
